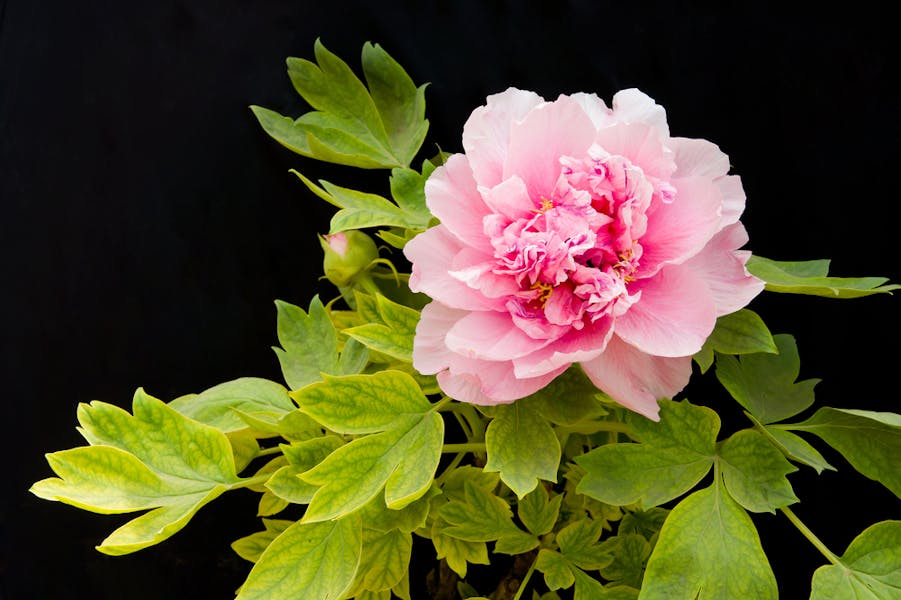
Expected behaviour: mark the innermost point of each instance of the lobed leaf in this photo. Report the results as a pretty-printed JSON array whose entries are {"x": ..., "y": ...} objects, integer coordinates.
[
  {"x": 765, "y": 383},
  {"x": 537, "y": 512},
  {"x": 483, "y": 517},
  {"x": 251, "y": 547},
  {"x": 870, "y": 441},
  {"x": 393, "y": 333},
  {"x": 869, "y": 568},
  {"x": 741, "y": 332},
  {"x": 708, "y": 548},
  {"x": 522, "y": 447},
  {"x": 307, "y": 560},
  {"x": 672, "y": 457},
  {"x": 754, "y": 472},
  {"x": 309, "y": 343},
  {"x": 217, "y": 406},
  {"x": 811, "y": 278},
  {"x": 797, "y": 449}
]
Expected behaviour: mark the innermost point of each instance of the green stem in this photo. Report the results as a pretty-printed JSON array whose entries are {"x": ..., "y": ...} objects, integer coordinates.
[
  {"x": 453, "y": 465},
  {"x": 525, "y": 580},
  {"x": 810, "y": 536},
  {"x": 469, "y": 447},
  {"x": 442, "y": 403},
  {"x": 476, "y": 424},
  {"x": 268, "y": 451},
  {"x": 250, "y": 481}
]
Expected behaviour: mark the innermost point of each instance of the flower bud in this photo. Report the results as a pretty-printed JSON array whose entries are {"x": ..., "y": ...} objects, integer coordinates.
[{"x": 348, "y": 254}]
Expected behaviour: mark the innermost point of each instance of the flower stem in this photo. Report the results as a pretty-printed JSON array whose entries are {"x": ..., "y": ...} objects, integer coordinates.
[
  {"x": 250, "y": 481},
  {"x": 268, "y": 451},
  {"x": 596, "y": 426},
  {"x": 810, "y": 536},
  {"x": 469, "y": 447},
  {"x": 525, "y": 580}
]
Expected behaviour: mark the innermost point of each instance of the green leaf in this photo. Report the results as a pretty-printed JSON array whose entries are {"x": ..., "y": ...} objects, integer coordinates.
[
  {"x": 578, "y": 542},
  {"x": 645, "y": 522},
  {"x": 250, "y": 547},
  {"x": 708, "y": 548},
  {"x": 393, "y": 335},
  {"x": 672, "y": 457},
  {"x": 385, "y": 560},
  {"x": 870, "y": 567},
  {"x": 811, "y": 278},
  {"x": 156, "y": 459},
  {"x": 217, "y": 405},
  {"x": 741, "y": 332},
  {"x": 401, "y": 105},
  {"x": 302, "y": 456},
  {"x": 630, "y": 551},
  {"x": 754, "y": 472},
  {"x": 408, "y": 519},
  {"x": 483, "y": 517},
  {"x": 870, "y": 441},
  {"x": 354, "y": 358},
  {"x": 569, "y": 399},
  {"x": 558, "y": 574},
  {"x": 358, "y": 404},
  {"x": 797, "y": 449},
  {"x": 537, "y": 513},
  {"x": 522, "y": 447},
  {"x": 308, "y": 560},
  {"x": 400, "y": 456},
  {"x": 408, "y": 191},
  {"x": 765, "y": 383},
  {"x": 458, "y": 553},
  {"x": 309, "y": 342}
]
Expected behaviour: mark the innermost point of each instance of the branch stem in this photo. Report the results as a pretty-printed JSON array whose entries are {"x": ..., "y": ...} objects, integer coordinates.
[{"x": 813, "y": 539}]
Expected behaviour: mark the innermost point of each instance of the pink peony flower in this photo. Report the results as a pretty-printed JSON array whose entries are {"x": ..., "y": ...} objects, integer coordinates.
[{"x": 576, "y": 233}]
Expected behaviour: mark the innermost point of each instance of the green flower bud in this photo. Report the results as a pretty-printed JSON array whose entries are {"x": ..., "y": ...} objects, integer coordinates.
[{"x": 348, "y": 254}]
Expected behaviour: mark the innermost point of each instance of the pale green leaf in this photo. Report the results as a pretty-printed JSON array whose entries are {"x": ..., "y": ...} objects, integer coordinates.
[
  {"x": 765, "y": 383},
  {"x": 754, "y": 472},
  {"x": 578, "y": 542},
  {"x": 393, "y": 335},
  {"x": 385, "y": 560},
  {"x": 156, "y": 458},
  {"x": 569, "y": 399},
  {"x": 302, "y": 456},
  {"x": 354, "y": 358},
  {"x": 400, "y": 104},
  {"x": 870, "y": 441},
  {"x": 308, "y": 560},
  {"x": 630, "y": 552},
  {"x": 587, "y": 587},
  {"x": 484, "y": 517},
  {"x": 402, "y": 458},
  {"x": 673, "y": 456},
  {"x": 797, "y": 449},
  {"x": 708, "y": 548},
  {"x": 522, "y": 447},
  {"x": 458, "y": 553},
  {"x": 408, "y": 191},
  {"x": 741, "y": 332},
  {"x": 357, "y": 404},
  {"x": 869, "y": 568},
  {"x": 270, "y": 504},
  {"x": 537, "y": 512},
  {"x": 810, "y": 278},
  {"x": 309, "y": 343},
  {"x": 408, "y": 519},
  {"x": 217, "y": 405},
  {"x": 556, "y": 569},
  {"x": 250, "y": 547}
]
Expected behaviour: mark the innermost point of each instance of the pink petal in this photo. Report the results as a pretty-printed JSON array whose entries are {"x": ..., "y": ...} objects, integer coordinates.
[
  {"x": 595, "y": 108},
  {"x": 674, "y": 316},
  {"x": 430, "y": 353},
  {"x": 490, "y": 382},
  {"x": 492, "y": 336},
  {"x": 432, "y": 254},
  {"x": 634, "y": 106},
  {"x": 642, "y": 144},
  {"x": 722, "y": 267},
  {"x": 486, "y": 134},
  {"x": 698, "y": 157},
  {"x": 733, "y": 198},
  {"x": 637, "y": 380},
  {"x": 549, "y": 131},
  {"x": 509, "y": 198},
  {"x": 575, "y": 346},
  {"x": 680, "y": 229},
  {"x": 452, "y": 196}
]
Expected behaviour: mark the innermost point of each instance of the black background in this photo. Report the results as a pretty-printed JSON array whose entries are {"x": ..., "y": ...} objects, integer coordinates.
[{"x": 147, "y": 223}]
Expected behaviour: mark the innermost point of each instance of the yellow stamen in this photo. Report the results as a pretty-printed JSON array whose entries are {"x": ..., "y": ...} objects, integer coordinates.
[
  {"x": 544, "y": 292},
  {"x": 546, "y": 205}
]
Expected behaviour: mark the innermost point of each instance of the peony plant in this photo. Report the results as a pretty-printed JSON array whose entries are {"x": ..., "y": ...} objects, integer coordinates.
[{"x": 516, "y": 392}]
